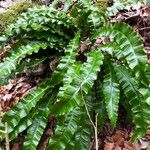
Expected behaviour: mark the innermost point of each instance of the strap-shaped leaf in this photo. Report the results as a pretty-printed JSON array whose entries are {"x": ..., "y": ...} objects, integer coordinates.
[
  {"x": 123, "y": 35},
  {"x": 21, "y": 110},
  {"x": 122, "y": 5},
  {"x": 91, "y": 17},
  {"x": 81, "y": 139},
  {"x": 64, "y": 132},
  {"x": 29, "y": 119},
  {"x": 38, "y": 19},
  {"x": 99, "y": 106},
  {"x": 147, "y": 72},
  {"x": 39, "y": 124},
  {"x": 70, "y": 52},
  {"x": 117, "y": 6},
  {"x": 111, "y": 91},
  {"x": 140, "y": 108},
  {"x": 67, "y": 4},
  {"x": 23, "y": 124},
  {"x": 67, "y": 60},
  {"x": 82, "y": 77},
  {"x": 96, "y": 18},
  {"x": 10, "y": 63},
  {"x": 146, "y": 93},
  {"x": 116, "y": 51},
  {"x": 95, "y": 102}
]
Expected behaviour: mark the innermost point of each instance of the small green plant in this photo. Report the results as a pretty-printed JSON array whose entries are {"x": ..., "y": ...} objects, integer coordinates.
[{"x": 92, "y": 81}]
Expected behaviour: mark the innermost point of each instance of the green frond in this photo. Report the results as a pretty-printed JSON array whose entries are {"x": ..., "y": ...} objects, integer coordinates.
[
  {"x": 117, "y": 6},
  {"x": 96, "y": 18},
  {"x": 86, "y": 3},
  {"x": 122, "y": 5},
  {"x": 80, "y": 78},
  {"x": 114, "y": 49},
  {"x": 32, "y": 63},
  {"x": 64, "y": 132},
  {"x": 23, "y": 124},
  {"x": 71, "y": 51},
  {"x": 117, "y": 54},
  {"x": 54, "y": 3},
  {"x": 10, "y": 62},
  {"x": 147, "y": 72},
  {"x": 99, "y": 106},
  {"x": 146, "y": 93},
  {"x": 67, "y": 5},
  {"x": 36, "y": 130},
  {"x": 132, "y": 48},
  {"x": 81, "y": 139},
  {"x": 39, "y": 19},
  {"x": 22, "y": 66},
  {"x": 67, "y": 60},
  {"x": 21, "y": 110},
  {"x": 140, "y": 108},
  {"x": 111, "y": 91},
  {"x": 34, "y": 133},
  {"x": 95, "y": 102},
  {"x": 91, "y": 17}
]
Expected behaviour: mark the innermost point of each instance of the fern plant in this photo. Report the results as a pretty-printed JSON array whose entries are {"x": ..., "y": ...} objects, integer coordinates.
[
  {"x": 123, "y": 4},
  {"x": 85, "y": 82}
]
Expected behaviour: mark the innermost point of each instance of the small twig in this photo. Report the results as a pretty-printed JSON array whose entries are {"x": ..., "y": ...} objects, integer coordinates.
[
  {"x": 87, "y": 110},
  {"x": 145, "y": 28},
  {"x": 95, "y": 129},
  {"x": 7, "y": 137},
  {"x": 94, "y": 125}
]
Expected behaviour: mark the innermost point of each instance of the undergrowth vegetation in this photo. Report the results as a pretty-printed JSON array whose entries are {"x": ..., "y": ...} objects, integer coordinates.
[{"x": 86, "y": 85}]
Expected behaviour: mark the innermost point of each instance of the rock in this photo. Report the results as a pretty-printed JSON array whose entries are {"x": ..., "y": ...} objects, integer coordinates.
[
  {"x": 6, "y": 4},
  {"x": 2, "y": 10}
]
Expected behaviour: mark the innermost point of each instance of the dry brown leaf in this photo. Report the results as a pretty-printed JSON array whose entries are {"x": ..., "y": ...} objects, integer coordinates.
[
  {"x": 127, "y": 145},
  {"x": 117, "y": 147},
  {"x": 15, "y": 146},
  {"x": 109, "y": 146},
  {"x": 15, "y": 90},
  {"x": 119, "y": 141}
]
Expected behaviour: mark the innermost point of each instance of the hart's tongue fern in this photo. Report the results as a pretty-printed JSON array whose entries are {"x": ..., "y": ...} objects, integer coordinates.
[{"x": 111, "y": 73}]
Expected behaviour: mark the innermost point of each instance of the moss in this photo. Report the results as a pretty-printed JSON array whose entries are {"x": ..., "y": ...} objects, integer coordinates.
[
  {"x": 10, "y": 15},
  {"x": 102, "y": 4}
]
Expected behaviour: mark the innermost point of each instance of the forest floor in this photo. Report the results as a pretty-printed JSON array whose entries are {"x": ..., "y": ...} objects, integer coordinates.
[
  {"x": 4, "y": 5},
  {"x": 138, "y": 16}
]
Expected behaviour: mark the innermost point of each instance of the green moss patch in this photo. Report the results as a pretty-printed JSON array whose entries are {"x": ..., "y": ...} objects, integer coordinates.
[{"x": 10, "y": 15}]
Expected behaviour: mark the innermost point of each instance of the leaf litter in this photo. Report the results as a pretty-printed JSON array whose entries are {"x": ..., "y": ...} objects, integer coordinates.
[{"x": 138, "y": 16}]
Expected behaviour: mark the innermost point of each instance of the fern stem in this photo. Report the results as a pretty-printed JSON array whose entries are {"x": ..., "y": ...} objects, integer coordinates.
[
  {"x": 7, "y": 137},
  {"x": 94, "y": 125},
  {"x": 95, "y": 130},
  {"x": 87, "y": 111}
]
